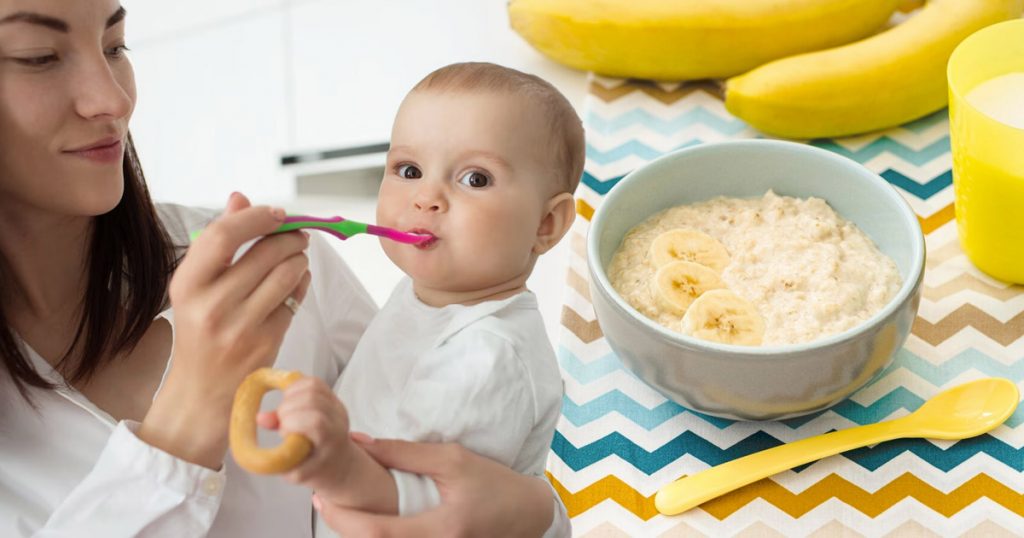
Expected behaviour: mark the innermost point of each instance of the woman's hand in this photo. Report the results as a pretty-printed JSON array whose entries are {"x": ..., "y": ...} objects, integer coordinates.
[
  {"x": 479, "y": 497},
  {"x": 229, "y": 320}
]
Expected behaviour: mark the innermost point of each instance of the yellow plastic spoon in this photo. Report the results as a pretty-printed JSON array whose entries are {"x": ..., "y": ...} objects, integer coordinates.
[{"x": 963, "y": 411}]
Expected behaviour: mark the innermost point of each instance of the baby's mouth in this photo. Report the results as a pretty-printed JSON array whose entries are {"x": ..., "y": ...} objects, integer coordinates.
[{"x": 424, "y": 245}]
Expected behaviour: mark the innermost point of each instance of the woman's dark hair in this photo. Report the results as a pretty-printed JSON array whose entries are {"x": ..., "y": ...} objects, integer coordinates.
[{"x": 130, "y": 262}]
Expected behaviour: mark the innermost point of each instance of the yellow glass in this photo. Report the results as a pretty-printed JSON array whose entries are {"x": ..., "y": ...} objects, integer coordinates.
[{"x": 988, "y": 155}]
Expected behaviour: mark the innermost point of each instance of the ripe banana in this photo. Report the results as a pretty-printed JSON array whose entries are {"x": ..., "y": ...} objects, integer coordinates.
[
  {"x": 690, "y": 245},
  {"x": 677, "y": 284},
  {"x": 687, "y": 39},
  {"x": 882, "y": 81},
  {"x": 722, "y": 316}
]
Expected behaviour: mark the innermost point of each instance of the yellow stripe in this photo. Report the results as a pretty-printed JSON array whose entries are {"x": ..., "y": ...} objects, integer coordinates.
[
  {"x": 936, "y": 220},
  {"x": 584, "y": 209},
  {"x": 609, "y": 487},
  {"x": 798, "y": 504}
]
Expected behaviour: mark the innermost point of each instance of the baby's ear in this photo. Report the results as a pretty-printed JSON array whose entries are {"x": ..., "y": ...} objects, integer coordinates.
[{"x": 559, "y": 212}]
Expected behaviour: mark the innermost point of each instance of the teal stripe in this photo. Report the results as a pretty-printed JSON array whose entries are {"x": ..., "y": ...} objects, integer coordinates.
[
  {"x": 900, "y": 398},
  {"x": 870, "y": 458},
  {"x": 885, "y": 144},
  {"x": 664, "y": 126}
]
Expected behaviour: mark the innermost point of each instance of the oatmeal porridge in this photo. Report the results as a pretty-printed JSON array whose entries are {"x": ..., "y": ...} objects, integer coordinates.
[{"x": 769, "y": 270}]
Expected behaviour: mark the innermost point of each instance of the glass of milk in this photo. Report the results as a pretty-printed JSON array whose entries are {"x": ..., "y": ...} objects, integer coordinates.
[{"x": 986, "y": 116}]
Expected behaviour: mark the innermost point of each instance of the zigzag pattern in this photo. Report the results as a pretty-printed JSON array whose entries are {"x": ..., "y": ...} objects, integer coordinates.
[
  {"x": 654, "y": 90},
  {"x": 922, "y": 191},
  {"x": 872, "y": 504},
  {"x": 886, "y": 144},
  {"x": 895, "y": 400},
  {"x": 689, "y": 443},
  {"x": 632, "y": 148},
  {"x": 968, "y": 325},
  {"x": 615, "y": 401},
  {"x": 965, "y": 361},
  {"x": 665, "y": 126},
  {"x": 967, "y": 281},
  {"x": 967, "y": 315},
  {"x": 937, "y": 374}
]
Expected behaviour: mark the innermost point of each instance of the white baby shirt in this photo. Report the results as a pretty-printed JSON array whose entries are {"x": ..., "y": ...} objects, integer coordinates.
[{"x": 484, "y": 376}]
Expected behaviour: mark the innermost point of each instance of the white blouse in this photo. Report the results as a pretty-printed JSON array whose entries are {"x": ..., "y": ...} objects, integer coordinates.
[{"x": 68, "y": 469}]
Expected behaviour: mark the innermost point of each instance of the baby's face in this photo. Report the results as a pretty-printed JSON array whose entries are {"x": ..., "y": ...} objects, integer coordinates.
[{"x": 474, "y": 170}]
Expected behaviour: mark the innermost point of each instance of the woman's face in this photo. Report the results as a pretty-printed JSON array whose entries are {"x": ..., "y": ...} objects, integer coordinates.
[{"x": 67, "y": 92}]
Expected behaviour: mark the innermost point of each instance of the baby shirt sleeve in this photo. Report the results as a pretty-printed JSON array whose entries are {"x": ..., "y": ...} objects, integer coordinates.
[{"x": 475, "y": 391}]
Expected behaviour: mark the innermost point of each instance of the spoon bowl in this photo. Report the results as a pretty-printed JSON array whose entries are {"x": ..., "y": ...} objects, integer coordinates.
[{"x": 966, "y": 410}]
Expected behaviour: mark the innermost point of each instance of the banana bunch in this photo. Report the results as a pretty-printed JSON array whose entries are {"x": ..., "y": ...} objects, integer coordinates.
[
  {"x": 687, "y": 39},
  {"x": 884, "y": 80},
  {"x": 687, "y": 284}
]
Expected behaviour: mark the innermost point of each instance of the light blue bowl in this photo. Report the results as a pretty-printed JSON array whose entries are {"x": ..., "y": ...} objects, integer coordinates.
[{"x": 768, "y": 382}]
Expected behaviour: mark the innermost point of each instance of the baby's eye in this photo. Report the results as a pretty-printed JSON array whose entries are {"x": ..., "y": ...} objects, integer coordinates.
[
  {"x": 477, "y": 180},
  {"x": 408, "y": 171}
]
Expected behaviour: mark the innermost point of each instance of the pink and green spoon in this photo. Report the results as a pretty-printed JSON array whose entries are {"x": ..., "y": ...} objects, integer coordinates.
[{"x": 343, "y": 228}]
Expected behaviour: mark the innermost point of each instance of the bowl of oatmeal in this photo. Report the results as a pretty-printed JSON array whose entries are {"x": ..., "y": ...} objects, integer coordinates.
[{"x": 755, "y": 279}]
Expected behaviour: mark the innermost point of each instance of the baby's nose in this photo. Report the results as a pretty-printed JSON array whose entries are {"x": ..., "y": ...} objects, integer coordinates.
[
  {"x": 430, "y": 199},
  {"x": 427, "y": 206}
]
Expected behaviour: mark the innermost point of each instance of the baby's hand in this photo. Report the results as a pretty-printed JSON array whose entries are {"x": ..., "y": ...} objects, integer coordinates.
[{"x": 310, "y": 408}]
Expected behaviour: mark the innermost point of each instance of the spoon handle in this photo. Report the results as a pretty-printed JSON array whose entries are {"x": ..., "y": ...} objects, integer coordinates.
[
  {"x": 691, "y": 491},
  {"x": 337, "y": 226}
]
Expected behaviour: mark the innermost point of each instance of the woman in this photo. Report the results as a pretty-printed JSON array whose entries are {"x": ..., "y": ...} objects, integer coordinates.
[{"x": 115, "y": 407}]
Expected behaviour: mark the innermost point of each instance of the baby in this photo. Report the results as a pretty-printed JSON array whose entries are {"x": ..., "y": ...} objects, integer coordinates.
[{"x": 484, "y": 159}]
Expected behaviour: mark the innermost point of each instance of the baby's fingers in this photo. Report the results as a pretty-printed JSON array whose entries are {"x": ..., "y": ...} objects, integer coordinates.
[{"x": 268, "y": 420}]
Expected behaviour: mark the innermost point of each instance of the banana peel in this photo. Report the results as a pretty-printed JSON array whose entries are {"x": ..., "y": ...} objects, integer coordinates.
[
  {"x": 690, "y": 39},
  {"x": 885, "y": 80}
]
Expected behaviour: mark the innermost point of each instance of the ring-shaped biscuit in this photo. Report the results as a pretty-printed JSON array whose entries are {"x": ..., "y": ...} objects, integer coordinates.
[{"x": 242, "y": 434}]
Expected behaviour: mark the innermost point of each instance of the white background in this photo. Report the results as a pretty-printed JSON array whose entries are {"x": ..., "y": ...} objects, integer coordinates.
[{"x": 228, "y": 87}]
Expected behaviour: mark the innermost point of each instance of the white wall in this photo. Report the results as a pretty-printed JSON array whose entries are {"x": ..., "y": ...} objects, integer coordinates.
[{"x": 227, "y": 87}]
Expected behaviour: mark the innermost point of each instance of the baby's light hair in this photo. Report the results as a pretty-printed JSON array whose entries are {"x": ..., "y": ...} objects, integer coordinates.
[{"x": 565, "y": 125}]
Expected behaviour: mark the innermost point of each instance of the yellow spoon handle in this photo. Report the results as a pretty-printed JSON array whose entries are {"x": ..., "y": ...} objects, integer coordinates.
[{"x": 691, "y": 491}]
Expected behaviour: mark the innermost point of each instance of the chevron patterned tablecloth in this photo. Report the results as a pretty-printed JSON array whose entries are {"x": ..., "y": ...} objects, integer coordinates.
[{"x": 618, "y": 440}]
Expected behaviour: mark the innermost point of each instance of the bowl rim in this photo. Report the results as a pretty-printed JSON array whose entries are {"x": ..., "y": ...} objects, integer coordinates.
[{"x": 904, "y": 293}]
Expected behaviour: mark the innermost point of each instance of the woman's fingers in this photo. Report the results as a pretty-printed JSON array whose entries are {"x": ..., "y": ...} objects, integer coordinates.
[
  {"x": 281, "y": 318},
  {"x": 239, "y": 281},
  {"x": 286, "y": 279},
  {"x": 212, "y": 252},
  {"x": 236, "y": 201}
]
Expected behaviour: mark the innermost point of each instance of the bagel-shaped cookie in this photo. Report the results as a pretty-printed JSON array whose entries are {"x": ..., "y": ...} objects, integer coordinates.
[{"x": 242, "y": 434}]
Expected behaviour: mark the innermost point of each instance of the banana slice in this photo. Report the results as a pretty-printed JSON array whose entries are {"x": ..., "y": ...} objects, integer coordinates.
[
  {"x": 678, "y": 283},
  {"x": 686, "y": 244},
  {"x": 722, "y": 316}
]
